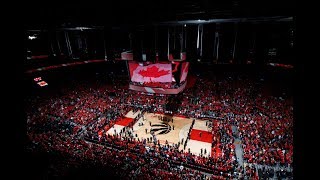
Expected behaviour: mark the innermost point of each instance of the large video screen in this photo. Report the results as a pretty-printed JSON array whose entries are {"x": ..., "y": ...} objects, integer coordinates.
[
  {"x": 150, "y": 73},
  {"x": 184, "y": 69}
]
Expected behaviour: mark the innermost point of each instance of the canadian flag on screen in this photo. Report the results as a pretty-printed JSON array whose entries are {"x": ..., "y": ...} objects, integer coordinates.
[
  {"x": 152, "y": 73},
  {"x": 42, "y": 83}
]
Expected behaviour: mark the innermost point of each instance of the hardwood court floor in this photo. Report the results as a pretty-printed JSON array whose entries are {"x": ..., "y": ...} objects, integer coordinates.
[{"x": 164, "y": 131}]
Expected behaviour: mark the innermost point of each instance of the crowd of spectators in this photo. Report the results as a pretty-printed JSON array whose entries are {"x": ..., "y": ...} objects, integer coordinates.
[{"x": 66, "y": 122}]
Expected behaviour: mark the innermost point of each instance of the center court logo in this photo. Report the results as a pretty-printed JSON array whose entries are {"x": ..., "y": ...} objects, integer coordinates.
[{"x": 162, "y": 128}]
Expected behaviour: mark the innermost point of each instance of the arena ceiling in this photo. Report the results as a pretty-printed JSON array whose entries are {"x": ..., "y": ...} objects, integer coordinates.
[{"x": 152, "y": 11}]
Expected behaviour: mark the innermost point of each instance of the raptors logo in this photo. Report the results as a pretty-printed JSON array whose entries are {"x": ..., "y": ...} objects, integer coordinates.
[{"x": 162, "y": 128}]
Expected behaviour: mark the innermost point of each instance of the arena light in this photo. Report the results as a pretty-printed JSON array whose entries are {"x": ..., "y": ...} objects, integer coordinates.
[
  {"x": 82, "y": 28},
  {"x": 32, "y": 37},
  {"x": 224, "y": 20}
]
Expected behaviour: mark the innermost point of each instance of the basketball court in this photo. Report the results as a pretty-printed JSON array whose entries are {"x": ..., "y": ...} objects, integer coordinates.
[{"x": 172, "y": 129}]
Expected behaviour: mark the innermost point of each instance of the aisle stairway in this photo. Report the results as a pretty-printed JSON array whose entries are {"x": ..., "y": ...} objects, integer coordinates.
[{"x": 238, "y": 148}]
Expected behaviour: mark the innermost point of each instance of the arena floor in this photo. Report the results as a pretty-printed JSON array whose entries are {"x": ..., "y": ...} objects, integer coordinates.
[{"x": 172, "y": 131}]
